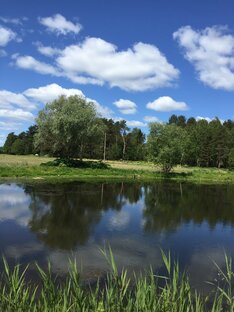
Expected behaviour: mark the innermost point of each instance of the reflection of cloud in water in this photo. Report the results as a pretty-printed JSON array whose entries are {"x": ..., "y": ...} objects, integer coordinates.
[
  {"x": 132, "y": 254},
  {"x": 23, "y": 250},
  {"x": 14, "y": 204},
  {"x": 119, "y": 220},
  {"x": 202, "y": 268}
]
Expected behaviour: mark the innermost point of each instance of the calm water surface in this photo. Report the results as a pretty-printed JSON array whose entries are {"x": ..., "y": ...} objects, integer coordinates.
[{"x": 73, "y": 220}]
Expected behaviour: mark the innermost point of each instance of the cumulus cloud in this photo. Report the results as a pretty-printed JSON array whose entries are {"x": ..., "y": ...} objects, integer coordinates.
[
  {"x": 6, "y": 35},
  {"x": 8, "y": 99},
  {"x": 104, "y": 111},
  {"x": 29, "y": 62},
  {"x": 18, "y": 109},
  {"x": 50, "y": 92},
  {"x": 139, "y": 68},
  {"x": 211, "y": 51},
  {"x": 46, "y": 50},
  {"x": 16, "y": 114},
  {"x": 60, "y": 25},
  {"x": 152, "y": 119},
  {"x": 126, "y": 107},
  {"x": 166, "y": 104},
  {"x": 96, "y": 61},
  {"x": 136, "y": 123}
]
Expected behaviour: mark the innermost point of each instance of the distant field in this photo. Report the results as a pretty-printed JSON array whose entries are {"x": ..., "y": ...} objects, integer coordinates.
[
  {"x": 18, "y": 160},
  {"x": 31, "y": 160},
  {"x": 29, "y": 167}
]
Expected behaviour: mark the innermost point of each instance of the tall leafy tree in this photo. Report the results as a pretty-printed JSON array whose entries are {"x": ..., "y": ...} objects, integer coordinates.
[
  {"x": 219, "y": 143},
  {"x": 66, "y": 126},
  {"x": 135, "y": 144},
  {"x": 9, "y": 142},
  {"x": 166, "y": 145}
]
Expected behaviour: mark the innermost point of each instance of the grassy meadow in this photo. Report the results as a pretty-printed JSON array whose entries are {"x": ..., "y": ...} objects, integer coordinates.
[{"x": 29, "y": 167}]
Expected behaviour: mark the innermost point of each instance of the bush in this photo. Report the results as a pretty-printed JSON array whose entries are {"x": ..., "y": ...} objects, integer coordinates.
[
  {"x": 75, "y": 163},
  {"x": 231, "y": 158}
]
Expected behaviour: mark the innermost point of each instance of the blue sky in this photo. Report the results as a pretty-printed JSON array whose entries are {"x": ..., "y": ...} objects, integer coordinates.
[{"x": 138, "y": 60}]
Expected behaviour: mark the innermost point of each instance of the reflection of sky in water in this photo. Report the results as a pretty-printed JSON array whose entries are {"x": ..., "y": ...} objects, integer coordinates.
[
  {"x": 14, "y": 204},
  {"x": 134, "y": 229}
]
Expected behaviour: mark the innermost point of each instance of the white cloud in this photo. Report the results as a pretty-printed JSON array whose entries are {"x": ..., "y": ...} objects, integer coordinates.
[
  {"x": 53, "y": 91},
  {"x": 104, "y": 111},
  {"x": 166, "y": 104},
  {"x": 16, "y": 114},
  {"x": 46, "y": 50},
  {"x": 136, "y": 123},
  {"x": 139, "y": 68},
  {"x": 60, "y": 25},
  {"x": 15, "y": 107},
  {"x": 8, "y": 99},
  {"x": 50, "y": 92},
  {"x": 152, "y": 119},
  {"x": 29, "y": 62},
  {"x": 9, "y": 126},
  {"x": 15, "y": 21},
  {"x": 95, "y": 61},
  {"x": 6, "y": 35},
  {"x": 211, "y": 51},
  {"x": 126, "y": 107}
]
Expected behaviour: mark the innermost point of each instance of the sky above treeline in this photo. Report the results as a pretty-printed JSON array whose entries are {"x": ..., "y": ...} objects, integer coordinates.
[{"x": 141, "y": 61}]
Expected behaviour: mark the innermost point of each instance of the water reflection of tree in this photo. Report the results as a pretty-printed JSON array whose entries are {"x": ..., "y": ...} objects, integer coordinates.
[
  {"x": 64, "y": 215},
  {"x": 169, "y": 205}
]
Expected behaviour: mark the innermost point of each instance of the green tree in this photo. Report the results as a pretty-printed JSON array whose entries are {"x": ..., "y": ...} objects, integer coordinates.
[
  {"x": 166, "y": 145},
  {"x": 18, "y": 147},
  {"x": 66, "y": 126},
  {"x": 9, "y": 142},
  {"x": 203, "y": 143},
  {"x": 231, "y": 158},
  {"x": 219, "y": 143},
  {"x": 135, "y": 145},
  {"x": 181, "y": 121},
  {"x": 173, "y": 119}
]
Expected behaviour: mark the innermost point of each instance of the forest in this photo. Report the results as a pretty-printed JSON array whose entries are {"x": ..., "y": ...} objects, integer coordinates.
[{"x": 71, "y": 127}]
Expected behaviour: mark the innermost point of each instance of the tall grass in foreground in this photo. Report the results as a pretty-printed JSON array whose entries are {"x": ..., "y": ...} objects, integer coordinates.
[{"x": 116, "y": 293}]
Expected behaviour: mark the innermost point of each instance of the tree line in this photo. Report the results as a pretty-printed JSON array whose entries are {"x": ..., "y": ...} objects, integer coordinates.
[{"x": 70, "y": 127}]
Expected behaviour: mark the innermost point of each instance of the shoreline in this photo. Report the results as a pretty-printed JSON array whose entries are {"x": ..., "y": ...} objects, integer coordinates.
[
  {"x": 58, "y": 174},
  {"x": 28, "y": 168}
]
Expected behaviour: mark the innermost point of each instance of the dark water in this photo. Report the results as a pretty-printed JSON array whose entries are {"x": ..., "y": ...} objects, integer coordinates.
[{"x": 73, "y": 220}]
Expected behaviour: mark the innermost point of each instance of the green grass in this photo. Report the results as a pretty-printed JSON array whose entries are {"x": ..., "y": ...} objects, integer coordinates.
[
  {"x": 115, "y": 293},
  {"x": 28, "y": 167}
]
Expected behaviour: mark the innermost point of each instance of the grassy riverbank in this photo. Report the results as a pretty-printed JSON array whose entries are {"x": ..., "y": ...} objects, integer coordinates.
[
  {"x": 29, "y": 167},
  {"x": 116, "y": 291}
]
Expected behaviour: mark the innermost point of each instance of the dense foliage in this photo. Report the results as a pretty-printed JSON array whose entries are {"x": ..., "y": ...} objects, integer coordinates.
[
  {"x": 191, "y": 142},
  {"x": 70, "y": 127},
  {"x": 22, "y": 144},
  {"x": 66, "y": 126}
]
